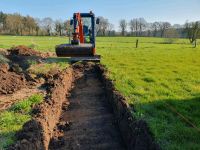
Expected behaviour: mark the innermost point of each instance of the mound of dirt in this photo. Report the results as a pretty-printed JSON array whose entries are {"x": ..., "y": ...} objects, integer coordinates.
[
  {"x": 10, "y": 81},
  {"x": 23, "y": 56},
  {"x": 3, "y": 51},
  {"x": 23, "y": 51}
]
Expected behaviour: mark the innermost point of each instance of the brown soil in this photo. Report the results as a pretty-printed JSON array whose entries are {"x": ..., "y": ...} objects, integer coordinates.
[
  {"x": 3, "y": 51},
  {"x": 36, "y": 133},
  {"x": 93, "y": 116},
  {"x": 23, "y": 51},
  {"x": 22, "y": 56},
  {"x": 16, "y": 82},
  {"x": 10, "y": 81},
  {"x": 7, "y": 100}
]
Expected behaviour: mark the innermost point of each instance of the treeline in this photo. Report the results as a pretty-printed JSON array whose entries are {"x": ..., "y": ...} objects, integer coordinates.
[
  {"x": 139, "y": 27},
  {"x": 16, "y": 24}
]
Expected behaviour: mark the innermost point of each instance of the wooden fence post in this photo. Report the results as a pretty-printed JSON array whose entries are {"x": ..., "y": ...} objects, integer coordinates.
[{"x": 137, "y": 41}]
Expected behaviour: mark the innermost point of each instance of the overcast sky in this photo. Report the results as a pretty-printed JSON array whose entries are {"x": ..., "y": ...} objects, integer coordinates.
[{"x": 174, "y": 11}]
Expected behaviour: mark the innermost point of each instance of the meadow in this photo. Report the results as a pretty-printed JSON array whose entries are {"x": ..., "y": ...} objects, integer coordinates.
[
  {"x": 15, "y": 117},
  {"x": 160, "y": 80}
]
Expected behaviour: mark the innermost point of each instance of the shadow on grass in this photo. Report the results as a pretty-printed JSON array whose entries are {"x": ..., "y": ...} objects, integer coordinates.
[
  {"x": 24, "y": 62},
  {"x": 57, "y": 60},
  {"x": 7, "y": 138},
  {"x": 175, "y": 123}
]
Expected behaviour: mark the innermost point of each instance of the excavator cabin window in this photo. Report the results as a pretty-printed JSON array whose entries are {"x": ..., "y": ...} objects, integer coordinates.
[{"x": 87, "y": 29}]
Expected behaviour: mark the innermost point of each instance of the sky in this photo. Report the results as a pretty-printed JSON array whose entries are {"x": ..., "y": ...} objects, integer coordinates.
[{"x": 173, "y": 11}]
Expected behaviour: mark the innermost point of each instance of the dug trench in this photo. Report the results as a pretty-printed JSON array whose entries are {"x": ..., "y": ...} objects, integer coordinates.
[{"x": 84, "y": 111}]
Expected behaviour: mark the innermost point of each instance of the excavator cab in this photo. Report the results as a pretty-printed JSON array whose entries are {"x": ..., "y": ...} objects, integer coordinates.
[{"x": 82, "y": 46}]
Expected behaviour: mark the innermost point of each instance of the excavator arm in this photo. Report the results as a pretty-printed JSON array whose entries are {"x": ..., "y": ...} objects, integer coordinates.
[{"x": 78, "y": 35}]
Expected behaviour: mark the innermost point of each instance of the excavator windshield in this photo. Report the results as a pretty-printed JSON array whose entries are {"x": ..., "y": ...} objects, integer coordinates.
[{"x": 87, "y": 29}]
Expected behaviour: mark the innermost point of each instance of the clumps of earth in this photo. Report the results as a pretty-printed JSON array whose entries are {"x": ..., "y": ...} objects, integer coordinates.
[
  {"x": 26, "y": 51},
  {"x": 14, "y": 63},
  {"x": 10, "y": 81}
]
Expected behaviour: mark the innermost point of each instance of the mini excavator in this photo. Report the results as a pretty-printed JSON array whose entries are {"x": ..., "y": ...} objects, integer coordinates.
[{"x": 82, "y": 46}]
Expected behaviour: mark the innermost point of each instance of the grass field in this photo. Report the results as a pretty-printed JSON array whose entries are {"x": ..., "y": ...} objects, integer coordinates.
[
  {"x": 13, "y": 119},
  {"x": 159, "y": 79}
]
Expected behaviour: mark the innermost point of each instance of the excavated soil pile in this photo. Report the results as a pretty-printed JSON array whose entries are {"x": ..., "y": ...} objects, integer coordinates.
[
  {"x": 12, "y": 76},
  {"x": 10, "y": 81},
  {"x": 3, "y": 52},
  {"x": 23, "y": 56},
  {"x": 93, "y": 116},
  {"x": 23, "y": 51}
]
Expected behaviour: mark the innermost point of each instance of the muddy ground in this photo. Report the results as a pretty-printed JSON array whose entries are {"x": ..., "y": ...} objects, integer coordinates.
[
  {"x": 16, "y": 82},
  {"x": 83, "y": 110},
  {"x": 10, "y": 81}
]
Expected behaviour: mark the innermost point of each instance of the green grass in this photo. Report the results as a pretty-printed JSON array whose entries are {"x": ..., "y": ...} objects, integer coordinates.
[
  {"x": 152, "y": 77},
  {"x": 13, "y": 119},
  {"x": 49, "y": 64},
  {"x": 43, "y": 43}
]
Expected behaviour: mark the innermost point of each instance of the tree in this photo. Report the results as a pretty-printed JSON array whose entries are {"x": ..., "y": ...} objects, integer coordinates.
[
  {"x": 177, "y": 26},
  {"x": 39, "y": 26},
  {"x": 67, "y": 27},
  {"x": 192, "y": 30},
  {"x": 198, "y": 36},
  {"x": 142, "y": 24},
  {"x": 134, "y": 26},
  {"x": 163, "y": 27},
  {"x": 103, "y": 26},
  {"x": 155, "y": 28},
  {"x": 14, "y": 23},
  {"x": 171, "y": 33},
  {"x": 137, "y": 25},
  {"x": 131, "y": 24},
  {"x": 37, "y": 29},
  {"x": 48, "y": 24},
  {"x": 110, "y": 29},
  {"x": 29, "y": 24},
  {"x": 59, "y": 25},
  {"x": 123, "y": 26},
  {"x": 2, "y": 21}
]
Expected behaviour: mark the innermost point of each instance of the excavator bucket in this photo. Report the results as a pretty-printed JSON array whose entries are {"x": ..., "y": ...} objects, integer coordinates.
[
  {"x": 69, "y": 50},
  {"x": 82, "y": 52}
]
